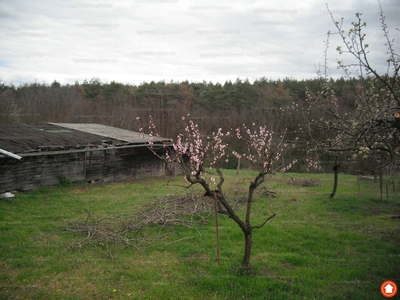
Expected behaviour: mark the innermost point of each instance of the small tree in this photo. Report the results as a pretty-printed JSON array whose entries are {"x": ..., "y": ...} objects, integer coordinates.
[{"x": 196, "y": 153}]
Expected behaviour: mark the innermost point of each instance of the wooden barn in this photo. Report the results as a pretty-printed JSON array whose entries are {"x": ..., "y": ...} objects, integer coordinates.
[{"x": 37, "y": 155}]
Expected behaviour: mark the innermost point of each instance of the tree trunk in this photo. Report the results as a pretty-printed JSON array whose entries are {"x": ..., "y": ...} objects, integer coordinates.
[
  {"x": 247, "y": 249},
  {"x": 335, "y": 182},
  {"x": 381, "y": 181},
  {"x": 335, "y": 178}
]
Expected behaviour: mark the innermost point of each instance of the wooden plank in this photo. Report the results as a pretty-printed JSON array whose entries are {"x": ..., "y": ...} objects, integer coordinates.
[
  {"x": 94, "y": 165},
  {"x": 109, "y": 165},
  {"x": 57, "y": 167},
  {"x": 34, "y": 171}
]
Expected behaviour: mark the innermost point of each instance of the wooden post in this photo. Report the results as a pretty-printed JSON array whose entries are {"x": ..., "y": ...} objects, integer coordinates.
[
  {"x": 216, "y": 227},
  {"x": 238, "y": 167}
]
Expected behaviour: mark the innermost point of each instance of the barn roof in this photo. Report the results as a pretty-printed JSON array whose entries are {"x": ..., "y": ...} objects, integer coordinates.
[
  {"x": 110, "y": 132},
  {"x": 28, "y": 138}
]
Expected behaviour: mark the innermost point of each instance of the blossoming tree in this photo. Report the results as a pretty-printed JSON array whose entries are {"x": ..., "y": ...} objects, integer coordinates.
[
  {"x": 195, "y": 153},
  {"x": 364, "y": 132}
]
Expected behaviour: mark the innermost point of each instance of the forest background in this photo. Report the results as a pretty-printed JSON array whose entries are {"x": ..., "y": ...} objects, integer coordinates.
[{"x": 276, "y": 104}]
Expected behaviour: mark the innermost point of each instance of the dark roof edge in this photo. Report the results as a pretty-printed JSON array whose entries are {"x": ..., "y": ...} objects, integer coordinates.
[{"x": 85, "y": 150}]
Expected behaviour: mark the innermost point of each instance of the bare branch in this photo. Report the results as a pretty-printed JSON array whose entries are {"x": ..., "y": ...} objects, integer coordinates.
[{"x": 263, "y": 223}]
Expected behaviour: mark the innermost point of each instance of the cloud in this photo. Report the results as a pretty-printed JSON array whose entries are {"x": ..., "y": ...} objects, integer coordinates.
[{"x": 145, "y": 40}]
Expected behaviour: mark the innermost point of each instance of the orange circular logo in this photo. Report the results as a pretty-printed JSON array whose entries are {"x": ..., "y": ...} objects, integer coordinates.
[{"x": 389, "y": 288}]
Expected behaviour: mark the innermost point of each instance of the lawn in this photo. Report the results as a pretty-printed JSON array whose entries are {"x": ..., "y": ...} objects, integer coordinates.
[{"x": 315, "y": 248}]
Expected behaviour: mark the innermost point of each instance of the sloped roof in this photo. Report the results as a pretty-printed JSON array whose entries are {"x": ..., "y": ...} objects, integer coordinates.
[
  {"x": 111, "y": 132},
  {"x": 26, "y": 138}
]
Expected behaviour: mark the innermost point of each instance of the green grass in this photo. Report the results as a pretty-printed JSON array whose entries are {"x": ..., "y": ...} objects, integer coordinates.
[{"x": 315, "y": 248}]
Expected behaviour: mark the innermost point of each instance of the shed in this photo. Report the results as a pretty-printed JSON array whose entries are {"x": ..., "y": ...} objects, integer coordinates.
[{"x": 53, "y": 152}]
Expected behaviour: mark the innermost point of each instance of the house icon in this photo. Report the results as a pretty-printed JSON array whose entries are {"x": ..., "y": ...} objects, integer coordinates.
[{"x": 389, "y": 289}]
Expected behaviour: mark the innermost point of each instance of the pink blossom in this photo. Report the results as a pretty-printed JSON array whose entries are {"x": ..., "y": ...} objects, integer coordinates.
[{"x": 262, "y": 149}]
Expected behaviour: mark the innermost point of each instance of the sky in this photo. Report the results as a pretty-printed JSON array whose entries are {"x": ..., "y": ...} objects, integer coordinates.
[{"x": 176, "y": 40}]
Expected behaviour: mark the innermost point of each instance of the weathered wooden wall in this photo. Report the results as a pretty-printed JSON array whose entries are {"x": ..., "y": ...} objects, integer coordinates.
[
  {"x": 102, "y": 165},
  {"x": 123, "y": 164},
  {"x": 41, "y": 170}
]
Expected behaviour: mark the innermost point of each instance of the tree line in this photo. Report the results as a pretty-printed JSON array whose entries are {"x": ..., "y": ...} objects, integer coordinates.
[
  {"x": 270, "y": 103},
  {"x": 213, "y": 105}
]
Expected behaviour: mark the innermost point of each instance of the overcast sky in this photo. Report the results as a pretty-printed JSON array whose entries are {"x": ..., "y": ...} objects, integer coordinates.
[{"x": 151, "y": 40}]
